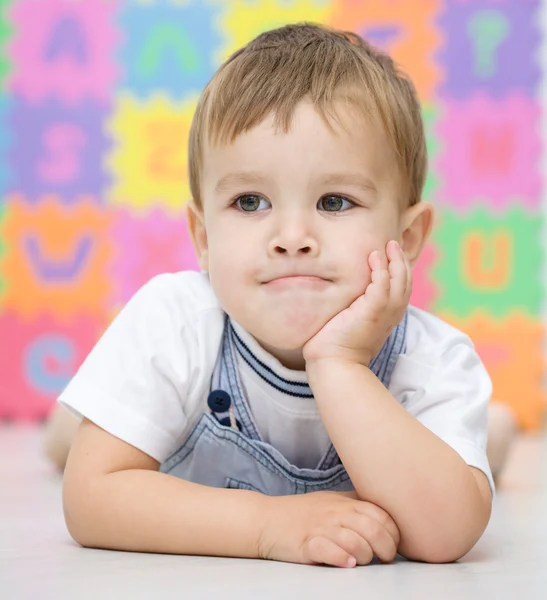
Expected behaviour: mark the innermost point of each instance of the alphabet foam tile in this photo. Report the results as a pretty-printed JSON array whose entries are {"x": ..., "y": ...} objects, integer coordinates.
[
  {"x": 42, "y": 354},
  {"x": 5, "y": 33},
  {"x": 488, "y": 261},
  {"x": 158, "y": 244},
  {"x": 56, "y": 258},
  {"x": 5, "y": 139},
  {"x": 163, "y": 39},
  {"x": 58, "y": 149},
  {"x": 3, "y": 248},
  {"x": 430, "y": 115},
  {"x": 490, "y": 46},
  {"x": 511, "y": 349},
  {"x": 491, "y": 151},
  {"x": 405, "y": 29},
  {"x": 149, "y": 162},
  {"x": 239, "y": 22},
  {"x": 63, "y": 49},
  {"x": 424, "y": 290}
]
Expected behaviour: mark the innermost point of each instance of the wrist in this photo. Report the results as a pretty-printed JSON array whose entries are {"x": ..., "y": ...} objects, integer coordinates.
[
  {"x": 318, "y": 365},
  {"x": 267, "y": 526},
  {"x": 253, "y": 513}
]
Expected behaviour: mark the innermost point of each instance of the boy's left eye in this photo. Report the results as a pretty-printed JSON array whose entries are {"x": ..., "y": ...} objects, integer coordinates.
[{"x": 335, "y": 203}]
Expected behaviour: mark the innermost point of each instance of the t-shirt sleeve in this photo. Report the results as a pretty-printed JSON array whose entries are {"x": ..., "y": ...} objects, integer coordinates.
[
  {"x": 446, "y": 387},
  {"x": 136, "y": 379}
]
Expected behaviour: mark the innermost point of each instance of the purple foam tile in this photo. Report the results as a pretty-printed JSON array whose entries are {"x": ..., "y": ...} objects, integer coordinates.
[
  {"x": 58, "y": 149},
  {"x": 489, "y": 46}
]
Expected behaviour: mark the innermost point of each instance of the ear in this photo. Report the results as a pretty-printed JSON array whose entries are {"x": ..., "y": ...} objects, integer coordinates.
[
  {"x": 198, "y": 234},
  {"x": 417, "y": 222}
]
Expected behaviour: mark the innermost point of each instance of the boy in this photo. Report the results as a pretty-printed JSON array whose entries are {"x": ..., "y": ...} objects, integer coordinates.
[{"x": 286, "y": 402}]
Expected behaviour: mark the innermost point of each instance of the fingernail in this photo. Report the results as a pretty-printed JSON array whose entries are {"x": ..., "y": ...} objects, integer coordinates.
[{"x": 351, "y": 562}]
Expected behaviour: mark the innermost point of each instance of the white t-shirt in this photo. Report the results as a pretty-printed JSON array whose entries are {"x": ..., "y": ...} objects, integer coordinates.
[{"x": 147, "y": 379}]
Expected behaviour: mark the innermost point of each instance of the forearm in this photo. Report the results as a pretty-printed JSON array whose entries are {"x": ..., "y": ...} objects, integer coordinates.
[
  {"x": 149, "y": 511},
  {"x": 397, "y": 463}
]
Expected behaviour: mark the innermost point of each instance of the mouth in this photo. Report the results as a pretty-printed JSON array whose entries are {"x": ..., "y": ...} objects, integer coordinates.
[{"x": 297, "y": 281}]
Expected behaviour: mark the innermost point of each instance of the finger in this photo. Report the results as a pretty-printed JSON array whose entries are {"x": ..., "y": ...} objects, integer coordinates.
[
  {"x": 321, "y": 549},
  {"x": 409, "y": 279},
  {"x": 383, "y": 260},
  {"x": 377, "y": 536},
  {"x": 408, "y": 268},
  {"x": 353, "y": 543},
  {"x": 379, "y": 514},
  {"x": 398, "y": 273},
  {"x": 378, "y": 263},
  {"x": 378, "y": 291}
]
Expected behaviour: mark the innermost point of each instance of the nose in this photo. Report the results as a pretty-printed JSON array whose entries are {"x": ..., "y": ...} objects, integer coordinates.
[{"x": 293, "y": 236}]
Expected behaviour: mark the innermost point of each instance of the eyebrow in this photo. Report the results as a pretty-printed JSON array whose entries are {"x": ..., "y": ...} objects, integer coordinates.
[
  {"x": 357, "y": 180},
  {"x": 243, "y": 177}
]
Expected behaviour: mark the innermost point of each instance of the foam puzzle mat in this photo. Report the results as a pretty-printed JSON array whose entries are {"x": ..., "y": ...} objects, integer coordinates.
[{"x": 93, "y": 176}]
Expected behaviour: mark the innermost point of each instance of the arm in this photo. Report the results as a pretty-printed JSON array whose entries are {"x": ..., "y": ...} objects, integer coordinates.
[
  {"x": 439, "y": 503},
  {"x": 115, "y": 498}
]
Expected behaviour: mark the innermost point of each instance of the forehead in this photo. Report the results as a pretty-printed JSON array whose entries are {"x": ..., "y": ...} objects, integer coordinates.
[{"x": 310, "y": 146}]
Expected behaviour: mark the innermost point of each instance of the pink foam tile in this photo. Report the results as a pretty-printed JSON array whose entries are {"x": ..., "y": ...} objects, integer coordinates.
[
  {"x": 63, "y": 48},
  {"x": 37, "y": 359},
  {"x": 423, "y": 288},
  {"x": 490, "y": 152},
  {"x": 147, "y": 246}
]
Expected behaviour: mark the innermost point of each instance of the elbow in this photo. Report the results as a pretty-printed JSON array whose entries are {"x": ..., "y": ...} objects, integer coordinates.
[
  {"x": 451, "y": 535},
  {"x": 79, "y": 515},
  {"x": 76, "y": 532},
  {"x": 450, "y": 548},
  {"x": 446, "y": 545},
  {"x": 77, "y": 525},
  {"x": 440, "y": 554}
]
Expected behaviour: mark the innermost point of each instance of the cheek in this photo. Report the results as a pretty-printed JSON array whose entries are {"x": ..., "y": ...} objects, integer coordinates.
[
  {"x": 356, "y": 271},
  {"x": 358, "y": 268},
  {"x": 230, "y": 259},
  {"x": 222, "y": 272},
  {"x": 230, "y": 266},
  {"x": 355, "y": 249}
]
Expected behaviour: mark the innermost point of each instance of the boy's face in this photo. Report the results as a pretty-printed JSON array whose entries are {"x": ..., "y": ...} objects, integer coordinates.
[{"x": 282, "y": 218}]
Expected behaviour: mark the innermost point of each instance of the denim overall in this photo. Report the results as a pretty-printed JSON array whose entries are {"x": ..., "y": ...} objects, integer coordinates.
[{"x": 225, "y": 448}]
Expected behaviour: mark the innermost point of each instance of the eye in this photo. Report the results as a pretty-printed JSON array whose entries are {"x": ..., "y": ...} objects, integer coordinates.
[
  {"x": 249, "y": 202},
  {"x": 335, "y": 203}
]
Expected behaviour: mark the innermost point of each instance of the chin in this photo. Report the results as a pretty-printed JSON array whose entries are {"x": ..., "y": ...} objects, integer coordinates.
[
  {"x": 284, "y": 340},
  {"x": 289, "y": 334},
  {"x": 287, "y": 323}
]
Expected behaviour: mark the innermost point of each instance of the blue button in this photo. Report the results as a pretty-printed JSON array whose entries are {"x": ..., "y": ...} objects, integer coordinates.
[
  {"x": 227, "y": 423},
  {"x": 219, "y": 401}
]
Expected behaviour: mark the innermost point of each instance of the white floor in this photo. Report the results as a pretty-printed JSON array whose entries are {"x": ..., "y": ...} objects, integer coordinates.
[{"x": 39, "y": 560}]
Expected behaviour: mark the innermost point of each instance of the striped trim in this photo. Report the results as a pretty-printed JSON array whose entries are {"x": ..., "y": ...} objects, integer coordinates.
[
  {"x": 296, "y": 389},
  {"x": 382, "y": 364}
]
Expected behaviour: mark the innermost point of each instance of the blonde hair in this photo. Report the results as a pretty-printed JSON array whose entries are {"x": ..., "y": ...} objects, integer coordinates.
[{"x": 282, "y": 67}]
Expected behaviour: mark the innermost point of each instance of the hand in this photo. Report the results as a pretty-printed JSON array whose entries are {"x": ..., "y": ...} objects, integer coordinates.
[
  {"x": 333, "y": 528},
  {"x": 357, "y": 333}
]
